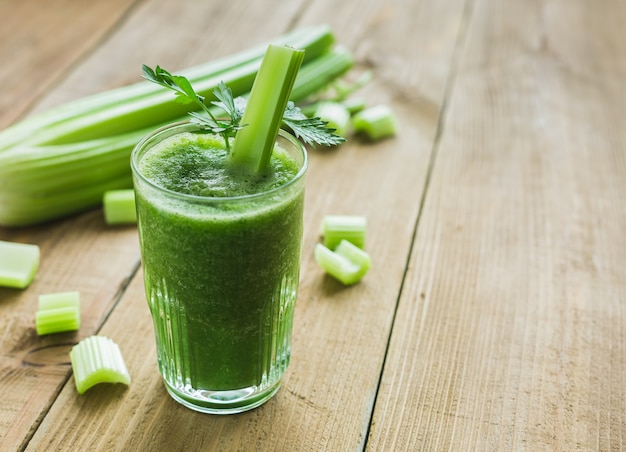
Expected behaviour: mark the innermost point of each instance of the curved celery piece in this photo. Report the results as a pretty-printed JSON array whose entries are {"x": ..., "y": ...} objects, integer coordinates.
[
  {"x": 376, "y": 122},
  {"x": 348, "y": 263},
  {"x": 19, "y": 263},
  {"x": 354, "y": 105},
  {"x": 119, "y": 207},
  {"x": 336, "y": 228},
  {"x": 58, "y": 312},
  {"x": 97, "y": 359}
]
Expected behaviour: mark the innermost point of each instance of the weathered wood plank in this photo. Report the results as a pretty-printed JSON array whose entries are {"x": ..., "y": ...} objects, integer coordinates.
[
  {"x": 340, "y": 334},
  {"x": 38, "y": 46},
  {"x": 40, "y": 42},
  {"x": 510, "y": 331},
  {"x": 81, "y": 253},
  {"x": 174, "y": 35}
]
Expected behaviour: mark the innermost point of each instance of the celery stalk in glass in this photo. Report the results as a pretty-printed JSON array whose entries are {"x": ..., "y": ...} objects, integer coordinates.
[{"x": 263, "y": 115}]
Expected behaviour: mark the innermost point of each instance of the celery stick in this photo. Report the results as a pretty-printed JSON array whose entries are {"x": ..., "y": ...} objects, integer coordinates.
[
  {"x": 321, "y": 71},
  {"x": 22, "y": 210},
  {"x": 344, "y": 89},
  {"x": 59, "y": 300},
  {"x": 97, "y": 359},
  {"x": 348, "y": 264},
  {"x": 263, "y": 115},
  {"x": 50, "y": 176},
  {"x": 119, "y": 207},
  {"x": 58, "y": 312},
  {"x": 80, "y": 119},
  {"x": 336, "y": 115},
  {"x": 336, "y": 228},
  {"x": 142, "y": 113},
  {"x": 354, "y": 105},
  {"x": 41, "y": 181},
  {"x": 355, "y": 255},
  {"x": 18, "y": 264},
  {"x": 84, "y": 159},
  {"x": 377, "y": 122},
  {"x": 57, "y": 320}
]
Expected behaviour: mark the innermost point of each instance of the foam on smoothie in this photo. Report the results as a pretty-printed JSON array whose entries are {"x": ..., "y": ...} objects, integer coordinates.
[{"x": 197, "y": 164}]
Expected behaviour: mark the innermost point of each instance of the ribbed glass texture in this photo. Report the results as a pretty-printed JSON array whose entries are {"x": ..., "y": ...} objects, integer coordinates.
[{"x": 221, "y": 277}]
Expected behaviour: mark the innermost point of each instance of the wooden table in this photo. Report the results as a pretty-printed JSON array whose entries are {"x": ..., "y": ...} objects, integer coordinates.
[{"x": 494, "y": 317}]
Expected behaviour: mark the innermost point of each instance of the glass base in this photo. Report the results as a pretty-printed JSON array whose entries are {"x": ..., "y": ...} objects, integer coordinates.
[{"x": 223, "y": 402}]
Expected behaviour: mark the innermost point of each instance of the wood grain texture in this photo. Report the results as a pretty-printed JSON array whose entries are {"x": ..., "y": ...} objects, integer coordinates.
[
  {"x": 329, "y": 391},
  {"x": 82, "y": 255},
  {"x": 174, "y": 35},
  {"x": 493, "y": 318},
  {"x": 37, "y": 47},
  {"x": 510, "y": 331},
  {"x": 39, "y": 44}
]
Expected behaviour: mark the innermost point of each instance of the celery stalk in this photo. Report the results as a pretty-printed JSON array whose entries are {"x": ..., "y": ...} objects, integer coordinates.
[
  {"x": 336, "y": 115},
  {"x": 40, "y": 181},
  {"x": 376, "y": 122},
  {"x": 97, "y": 359},
  {"x": 336, "y": 228},
  {"x": 263, "y": 115},
  {"x": 59, "y": 300},
  {"x": 115, "y": 111},
  {"x": 57, "y": 320},
  {"x": 320, "y": 72},
  {"x": 119, "y": 207},
  {"x": 19, "y": 263},
  {"x": 19, "y": 210},
  {"x": 354, "y": 105},
  {"x": 58, "y": 312},
  {"x": 348, "y": 263},
  {"x": 60, "y": 167}
]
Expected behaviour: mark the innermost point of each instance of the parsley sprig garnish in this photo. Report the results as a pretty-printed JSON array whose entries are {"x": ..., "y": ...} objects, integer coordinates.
[
  {"x": 205, "y": 118},
  {"x": 311, "y": 131}
]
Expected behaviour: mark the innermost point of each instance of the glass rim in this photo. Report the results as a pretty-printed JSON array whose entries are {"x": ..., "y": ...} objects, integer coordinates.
[{"x": 134, "y": 157}]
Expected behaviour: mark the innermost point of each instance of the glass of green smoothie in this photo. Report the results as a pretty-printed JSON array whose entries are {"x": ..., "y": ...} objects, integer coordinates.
[{"x": 221, "y": 254}]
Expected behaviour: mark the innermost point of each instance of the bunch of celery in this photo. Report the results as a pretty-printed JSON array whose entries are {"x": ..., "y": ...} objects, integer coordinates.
[{"x": 62, "y": 161}]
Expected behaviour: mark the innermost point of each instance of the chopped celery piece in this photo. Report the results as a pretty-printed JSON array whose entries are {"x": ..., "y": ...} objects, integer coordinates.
[
  {"x": 336, "y": 228},
  {"x": 58, "y": 312},
  {"x": 97, "y": 359},
  {"x": 18, "y": 264},
  {"x": 376, "y": 122},
  {"x": 263, "y": 116},
  {"x": 336, "y": 115},
  {"x": 58, "y": 320},
  {"x": 345, "y": 89},
  {"x": 354, "y": 254},
  {"x": 119, "y": 207},
  {"x": 348, "y": 263},
  {"x": 354, "y": 105},
  {"x": 59, "y": 300}
]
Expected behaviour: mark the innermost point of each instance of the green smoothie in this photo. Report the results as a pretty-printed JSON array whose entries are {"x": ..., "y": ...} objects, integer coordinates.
[{"x": 220, "y": 253}]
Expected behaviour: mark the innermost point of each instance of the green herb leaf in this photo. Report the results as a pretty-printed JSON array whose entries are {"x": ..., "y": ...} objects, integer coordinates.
[
  {"x": 233, "y": 107},
  {"x": 187, "y": 95},
  {"x": 310, "y": 130},
  {"x": 184, "y": 91}
]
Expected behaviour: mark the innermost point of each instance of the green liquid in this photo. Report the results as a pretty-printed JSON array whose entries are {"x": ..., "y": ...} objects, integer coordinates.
[{"x": 221, "y": 277}]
